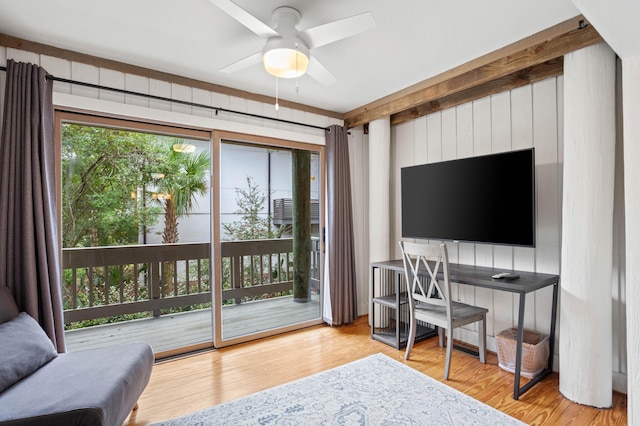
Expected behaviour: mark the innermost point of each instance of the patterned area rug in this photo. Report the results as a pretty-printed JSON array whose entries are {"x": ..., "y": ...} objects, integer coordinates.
[{"x": 375, "y": 390}]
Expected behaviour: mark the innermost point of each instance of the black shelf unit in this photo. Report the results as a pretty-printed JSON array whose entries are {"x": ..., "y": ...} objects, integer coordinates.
[{"x": 390, "y": 310}]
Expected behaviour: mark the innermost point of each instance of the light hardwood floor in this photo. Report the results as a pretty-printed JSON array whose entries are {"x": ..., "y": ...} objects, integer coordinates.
[{"x": 197, "y": 381}]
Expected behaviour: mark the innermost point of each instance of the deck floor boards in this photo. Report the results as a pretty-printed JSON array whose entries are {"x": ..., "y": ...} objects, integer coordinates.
[{"x": 172, "y": 331}]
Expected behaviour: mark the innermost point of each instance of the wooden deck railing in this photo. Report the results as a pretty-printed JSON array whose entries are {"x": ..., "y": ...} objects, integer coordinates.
[{"x": 102, "y": 282}]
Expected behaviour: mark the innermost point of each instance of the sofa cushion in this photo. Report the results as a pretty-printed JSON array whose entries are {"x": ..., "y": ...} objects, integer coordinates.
[
  {"x": 96, "y": 387},
  {"x": 25, "y": 348},
  {"x": 8, "y": 308}
]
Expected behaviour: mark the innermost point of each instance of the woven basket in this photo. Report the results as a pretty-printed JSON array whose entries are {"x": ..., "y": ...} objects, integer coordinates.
[{"x": 535, "y": 351}]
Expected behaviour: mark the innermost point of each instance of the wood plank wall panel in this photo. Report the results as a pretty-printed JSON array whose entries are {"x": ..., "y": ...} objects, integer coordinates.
[
  {"x": 464, "y": 148},
  {"x": 22, "y": 56},
  {"x": 295, "y": 115},
  {"x": 203, "y": 97},
  {"x": 182, "y": 93},
  {"x": 115, "y": 79},
  {"x": 481, "y": 119},
  {"x": 60, "y": 68},
  {"x": 549, "y": 195},
  {"x": 503, "y": 303},
  {"x": 420, "y": 143},
  {"x": 449, "y": 152},
  {"x": 161, "y": 89},
  {"x": 359, "y": 167},
  {"x": 223, "y": 101},
  {"x": 402, "y": 155},
  {"x": 86, "y": 74},
  {"x": 517, "y": 119},
  {"x": 522, "y": 132},
  {"x": 254, "y": 107},
  {"x": 434, "y": 137},
  {"x": 136, "y": 83}
]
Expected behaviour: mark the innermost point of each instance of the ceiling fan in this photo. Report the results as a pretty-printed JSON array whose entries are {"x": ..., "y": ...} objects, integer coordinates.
[{"x": 286, "y": 51}]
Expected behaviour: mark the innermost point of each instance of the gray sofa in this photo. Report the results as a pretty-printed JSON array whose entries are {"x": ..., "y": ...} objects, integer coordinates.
[{"x": 40, "y": 387}]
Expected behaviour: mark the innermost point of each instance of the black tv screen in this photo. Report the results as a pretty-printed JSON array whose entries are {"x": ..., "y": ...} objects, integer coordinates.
[{"x": 484, "y": 199}]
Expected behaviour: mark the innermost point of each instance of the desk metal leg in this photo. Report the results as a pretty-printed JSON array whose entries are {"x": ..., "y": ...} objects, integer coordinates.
[
  {"x": 552, "y": 331},
  {"x": 519, "y": 338},
  {"x": 372, "y": 313},
  {"x": 517, "y": 390},
  {"x": 398, "y": 311}
]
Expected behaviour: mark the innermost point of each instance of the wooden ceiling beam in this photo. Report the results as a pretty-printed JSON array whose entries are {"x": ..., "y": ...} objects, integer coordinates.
[
  {"x": 520, "y": 78},
  {"x": 542, "y": 47}
]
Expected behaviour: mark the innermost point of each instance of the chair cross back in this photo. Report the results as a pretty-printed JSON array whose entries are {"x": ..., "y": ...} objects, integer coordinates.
[{"x": 416, "y": 256}]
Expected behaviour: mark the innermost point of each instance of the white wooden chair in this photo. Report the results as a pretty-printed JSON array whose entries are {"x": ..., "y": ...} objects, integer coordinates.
[{"x": 430, "y": 299}]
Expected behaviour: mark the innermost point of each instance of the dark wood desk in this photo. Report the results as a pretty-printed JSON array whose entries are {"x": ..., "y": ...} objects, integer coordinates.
[{"x": 480, "y": 276}]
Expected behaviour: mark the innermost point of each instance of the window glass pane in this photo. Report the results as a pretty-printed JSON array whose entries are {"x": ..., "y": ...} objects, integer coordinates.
[
  {"x": 136, "y": 237},
  {"x": 263, "y": 288}
]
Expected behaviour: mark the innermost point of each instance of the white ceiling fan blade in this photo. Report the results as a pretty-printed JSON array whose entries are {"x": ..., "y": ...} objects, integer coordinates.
[
  {"x": 245, "y": 18},
  {"x": 256, "y": 58},
  {"x": 337, "y": 30},
  {"x": 317, "y": 71}
]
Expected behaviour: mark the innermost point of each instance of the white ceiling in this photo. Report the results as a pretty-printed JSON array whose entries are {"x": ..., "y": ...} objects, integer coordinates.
[
  {"x": 413, "y": 39},
  {"x": 616, "y": 22}
]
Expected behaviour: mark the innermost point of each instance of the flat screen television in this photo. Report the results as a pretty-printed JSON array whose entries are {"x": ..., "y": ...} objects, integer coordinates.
[{"x": 484, "y": 199}]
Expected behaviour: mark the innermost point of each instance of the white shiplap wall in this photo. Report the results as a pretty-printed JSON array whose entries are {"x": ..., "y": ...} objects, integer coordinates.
[
  {"x": 530, "y": 116},
  {"x": 503, "y": 122},
  {"x": 522, "y": 118}
]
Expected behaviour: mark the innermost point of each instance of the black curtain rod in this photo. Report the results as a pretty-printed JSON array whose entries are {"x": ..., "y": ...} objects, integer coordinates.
[{"x": 178, "y": 101}]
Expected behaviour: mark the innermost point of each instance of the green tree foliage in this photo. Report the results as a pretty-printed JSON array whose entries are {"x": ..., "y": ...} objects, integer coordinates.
[
  {"x": 185, "y": 178},
  {"x": 252, "y": 225},
  {"x": 102, "y": 172},
  {"x": 109, "y": 177}
]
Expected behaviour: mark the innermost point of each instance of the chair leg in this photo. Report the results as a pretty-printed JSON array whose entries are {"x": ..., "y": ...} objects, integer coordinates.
[
  {"x": 447, "y": 362},
  {"x": 482, "y": 340},
  {"x": 410, "y": 339},
  {"x": 440, "y": 336}
]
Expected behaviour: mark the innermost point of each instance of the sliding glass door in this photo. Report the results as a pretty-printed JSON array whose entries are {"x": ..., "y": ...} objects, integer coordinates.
[
  {"x": 176, "y": 238},
  {"x": 269, "y": 248},
  {"x": 136, "y": 234}
]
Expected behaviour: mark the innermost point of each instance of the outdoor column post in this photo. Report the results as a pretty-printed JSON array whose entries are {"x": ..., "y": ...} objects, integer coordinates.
[{"x": 301, "y": 168}]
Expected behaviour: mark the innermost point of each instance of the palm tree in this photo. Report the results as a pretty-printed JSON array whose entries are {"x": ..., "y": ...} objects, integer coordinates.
[{"x": 184, "y": 178}]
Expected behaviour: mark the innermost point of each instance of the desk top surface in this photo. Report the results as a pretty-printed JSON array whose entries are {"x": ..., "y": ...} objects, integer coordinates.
[{"x": 481, "y": 276}]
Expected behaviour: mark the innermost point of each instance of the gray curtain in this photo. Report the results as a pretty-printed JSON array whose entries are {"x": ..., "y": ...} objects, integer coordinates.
[
  {"x": 340, "y": 271},
  {"x": 29, "y": 245}
]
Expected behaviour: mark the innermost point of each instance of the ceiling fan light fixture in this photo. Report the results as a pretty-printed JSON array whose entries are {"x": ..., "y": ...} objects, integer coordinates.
[{"x": 285, "y": 58}]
